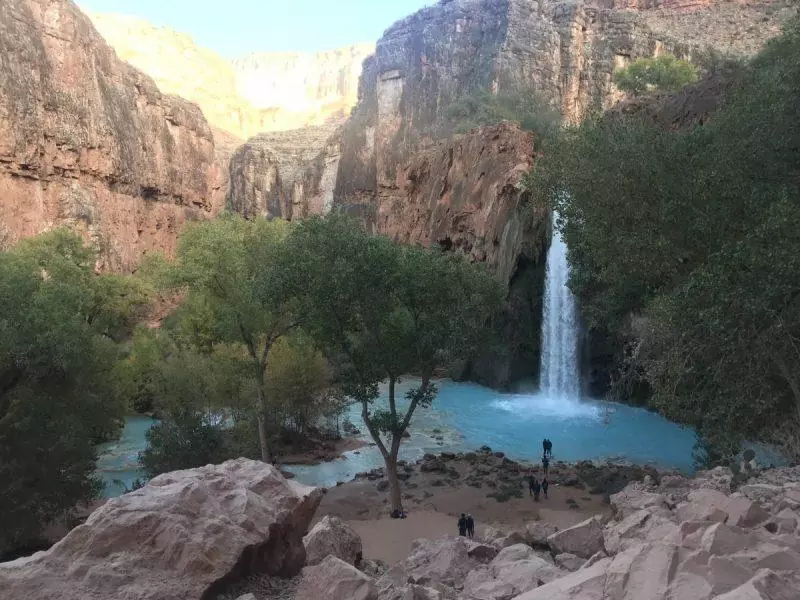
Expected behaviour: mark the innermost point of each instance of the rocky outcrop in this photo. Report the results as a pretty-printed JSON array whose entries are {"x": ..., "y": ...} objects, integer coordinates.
[
  {"x": 515, "y": 570},
  {"x": 258, "y": 93},
  {"x": 584, "y": 539},
  {"x": 182, "y": 536},
  {"x": 332, "y": 537},
  {"x": 334, "y": 579},
  {"x": 90, "y": 142},
  {"x": 288, "y": 174}
]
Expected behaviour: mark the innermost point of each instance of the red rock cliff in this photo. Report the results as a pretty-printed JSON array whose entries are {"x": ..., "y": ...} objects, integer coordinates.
[{"x": 88, "y": 141}]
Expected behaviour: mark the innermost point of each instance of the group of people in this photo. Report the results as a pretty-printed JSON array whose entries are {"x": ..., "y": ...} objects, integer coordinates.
[
  {"x": 536, "y": 487},
  {"x": 466, "y": 525}
]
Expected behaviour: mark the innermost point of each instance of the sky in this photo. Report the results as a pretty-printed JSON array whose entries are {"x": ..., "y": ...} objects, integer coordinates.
[{"x": 234, "y": 28}]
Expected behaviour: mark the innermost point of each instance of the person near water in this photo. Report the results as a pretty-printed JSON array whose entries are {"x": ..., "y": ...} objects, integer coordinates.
[
  {"x": 470, "y": 526},
  {"x": 537, "y": 487},
  {"x": 546, "y": 465},
  {"x": 544, "y": 447},
  {"x": 549, "y": 448},
  {"x": 545, "y": 485},
  {"x": 531, "y": 482},
  {"x": 462, "y": 525}
]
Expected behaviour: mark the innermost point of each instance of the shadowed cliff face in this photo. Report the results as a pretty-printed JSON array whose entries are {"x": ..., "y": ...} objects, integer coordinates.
[
  {"x": 258, "y": 93},
  {"x": 90, "y": 142}
]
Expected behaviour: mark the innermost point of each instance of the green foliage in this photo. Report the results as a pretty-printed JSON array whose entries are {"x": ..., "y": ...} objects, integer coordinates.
[
  {"x": 58, "y": 323},
  {"x": 484, "y": 108},
  {"x": 685, "y": 244},
  {"x": 182, "y": 441},
  {"x": 382, "y": 310},
  {"x": 661, "y": 73}
]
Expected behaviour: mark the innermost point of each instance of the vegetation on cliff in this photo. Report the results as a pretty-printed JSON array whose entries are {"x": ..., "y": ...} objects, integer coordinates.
[
  {"x": 683, "y": 247},
  {"x": 660, "y": 73}
]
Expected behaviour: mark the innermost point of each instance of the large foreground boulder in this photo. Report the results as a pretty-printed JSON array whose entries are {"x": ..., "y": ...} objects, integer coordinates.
[
  {"x": 181, "y": 537},
  {"x": 334, "y": 579},
  {"x": 332, "y": 536},
  {"x": 515, "y": 570}
]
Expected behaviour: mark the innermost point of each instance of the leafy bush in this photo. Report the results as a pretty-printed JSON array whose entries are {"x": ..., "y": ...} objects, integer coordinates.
[
  {"x": 182, "y": 441},
  {"x": 662, "y": 73}
]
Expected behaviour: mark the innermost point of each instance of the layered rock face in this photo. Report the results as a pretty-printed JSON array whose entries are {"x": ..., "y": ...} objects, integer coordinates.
[
  {"x": 181, "y": 537},
  {"x": 88, "y": 141},
  {"x": 261, "y": 92},
  {"x": 287, "y": 174}
]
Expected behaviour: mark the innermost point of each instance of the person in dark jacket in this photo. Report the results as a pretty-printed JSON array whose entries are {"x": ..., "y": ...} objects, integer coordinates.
[
  {"x": 462, "y": 525},
  {"x": 531, "y": 482},
  {"x": 545, "y": 485},
  {"x": 470, "y": 526},
  {"x": 537, "y": 488},
  {"x": 546, "y": 465}
]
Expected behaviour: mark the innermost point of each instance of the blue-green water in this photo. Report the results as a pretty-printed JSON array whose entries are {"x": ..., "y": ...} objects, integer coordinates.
[
  {"x": 466, "y": 416},
  {"x": 119, "y": 460}
]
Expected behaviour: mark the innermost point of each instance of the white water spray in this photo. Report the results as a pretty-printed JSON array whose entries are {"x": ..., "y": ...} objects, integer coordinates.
[{"x": 560, "y": 375}]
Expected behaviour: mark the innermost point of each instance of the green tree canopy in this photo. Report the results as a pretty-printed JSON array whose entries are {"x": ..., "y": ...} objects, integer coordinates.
[
  {"x": 386, "y": 310},
  {"x": 660, "y": 73},
  {"x": 58, "y": 326}
]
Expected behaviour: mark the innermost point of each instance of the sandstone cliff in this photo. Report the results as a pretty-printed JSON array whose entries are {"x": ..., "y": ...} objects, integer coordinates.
[
  {"x": 88, "y": 141},
  {"x": 566, "y": 52},
  {"x": 287, "y": 174},
  {"x": 258, "y": 93}
]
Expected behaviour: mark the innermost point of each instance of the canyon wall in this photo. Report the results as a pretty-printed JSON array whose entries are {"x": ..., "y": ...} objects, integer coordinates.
[
  {"x": 258, "y": 93},
  {"x": 88, "y": 141},
  {"x": 565, "y": 52}
]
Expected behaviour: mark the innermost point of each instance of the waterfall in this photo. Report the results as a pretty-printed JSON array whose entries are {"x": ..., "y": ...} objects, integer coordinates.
[{"x": 559, "y": 373}]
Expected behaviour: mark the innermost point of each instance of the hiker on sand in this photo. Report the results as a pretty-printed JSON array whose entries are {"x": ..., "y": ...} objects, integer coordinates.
[
  {"x": 462, "y": 525},
  {"x": 531, "y": 482},
  {"x": 545, "y": 485},
  {"x": 537, "y": 487},
  {"x": 546, "y": 465},
  {"x": 549, "y": 448},
  {"x": 470, "y": 526}
]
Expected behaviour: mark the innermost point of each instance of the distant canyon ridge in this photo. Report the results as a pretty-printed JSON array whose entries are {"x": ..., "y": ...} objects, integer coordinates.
[{"x": 125, "y": 131}]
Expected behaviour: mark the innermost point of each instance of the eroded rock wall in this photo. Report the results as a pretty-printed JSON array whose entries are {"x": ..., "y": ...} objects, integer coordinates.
[{"x": 88, "y": 141}]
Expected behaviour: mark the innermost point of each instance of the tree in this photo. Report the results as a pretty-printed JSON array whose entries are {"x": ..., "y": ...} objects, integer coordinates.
[
  {"x": 383, "y": 310},
  {"x": 661, "y": 73},
  {"x": 233, "y": 268},
  {"x": 58, "y": 326}
]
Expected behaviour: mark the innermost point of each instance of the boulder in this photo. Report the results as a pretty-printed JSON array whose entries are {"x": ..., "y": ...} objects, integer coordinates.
[
  {"x": 568, "y": 561},
  {"x": 726, "y": 574},
  {"x": 633, "y": 499},
  {"x": 651, "y": 571},
  {"x": 247, "y": 597},
  {"x": 584, "y": 584},
  {"x": 764, "y": 493},
  {"x": 537, "y": 533},
  {"x": 514, "y": 570},
  {"x": 583, "y": 539},
  {"x": 765, "y": 585},
  {"x": 334, "y": 579},
  {"x": 512, "y": 539},
  {"x": 177, "y": 538},
  {"x": 616, "y": 532},
  {"x": 786, "y": 521},
  {"x": 704, "y": 505},
  {"x": 721, "y": 539},
  {"x": 332, "y": 536},
  {"x": 743, "y": 512},
  {"x": 445, "y": 561}
]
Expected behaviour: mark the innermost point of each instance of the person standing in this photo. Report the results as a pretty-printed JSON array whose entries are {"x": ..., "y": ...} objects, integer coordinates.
[
  {"x": 470, "y": 526},
  {"x": 545, "y": 485},
  {"x": 546, "y": 465},
  {"x": 549, "y": 448},
  {"x": 536, "y": 489},
  {"x": 462, "y": 525},
  {"x": 544, "y": 447},
  {"x": 531, "y": 482}
]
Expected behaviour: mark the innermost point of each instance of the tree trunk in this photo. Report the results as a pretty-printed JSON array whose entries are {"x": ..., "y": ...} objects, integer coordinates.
[
  {"x": 394, "y": 482},
  {"x": 262, "y": 425}
]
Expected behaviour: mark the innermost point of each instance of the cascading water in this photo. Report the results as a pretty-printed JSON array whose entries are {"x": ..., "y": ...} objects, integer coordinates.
[{"x": 559, "y": 371}]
